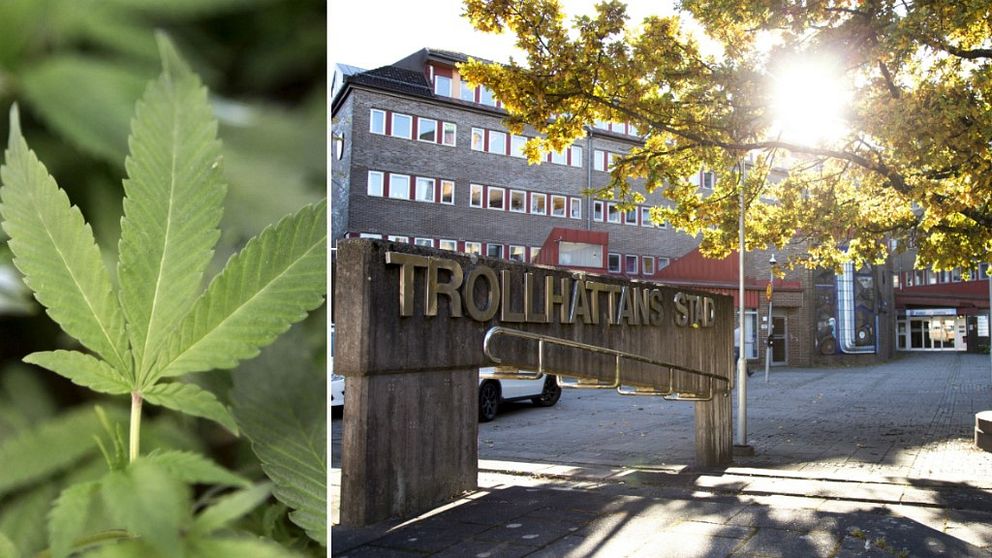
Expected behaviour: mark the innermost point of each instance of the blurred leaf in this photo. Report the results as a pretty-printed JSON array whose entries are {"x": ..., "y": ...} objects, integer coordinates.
[
  {"x": 7, "y": 548},
  {"x": 191, "y": 400},
  {"x": 279, "y": 401},
  {"x": 23, "y": 388},
  {"x": 15, "y": 297},
  {"x": 50, "y": 447},
  {"x": 238, "y": 548},
  {"x": 148, "y": 502},
  {"x": 194, "y": 469},
  {"x": 67, "y": 519},
  {"x": 229, "y": 508},
  {"x": 22, "y": 518},
  {"x": 82, "y": 369},
  {"x": 183, "y": 8},
  {"x": 88, "y": 101},
  {"x": 123, "y": 549}
]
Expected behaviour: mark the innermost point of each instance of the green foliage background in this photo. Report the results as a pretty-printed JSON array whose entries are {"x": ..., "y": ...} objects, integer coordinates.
[{"x": 76, "y": 68}]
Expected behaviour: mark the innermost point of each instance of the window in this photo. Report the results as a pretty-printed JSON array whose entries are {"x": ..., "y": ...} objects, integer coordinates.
[
  {"x": 602, "y": 125},
  {"x": 535, "y": 252},
  {"x": 599, "y": 160},
  {"x": 517, "y": 146},
  {"x": 517, "y": 253},
  {"x": 425, "y": 189},
  {"x": 559, "y": 158},
  {"x": 478, "y": 139},
  {"x": 709, "y": 178},
  {"x": 442, "y": 86},
  {"x": 575, "y": 156},
  {"x": 630, "y": 217},
  {"x": 646, "y": 217},
  {"x": 375, "y": 183},
  {"x": 895, "y": 281},
  {"x": 448, "y": 192},
  {"x": 662, "y": 263},
  {"x": 575, "y": 208},
  {"x": 983, "y": 271},
  {"x": 424, "y": 242},
  {"x": 450, "y": 134},
  {"x": 466, "y": 92},
  {"x": 558, "y": 206},
  {"x": 377, "y": 121},
  {"x": 597, "y": 210},
  {"x": 630, "y": 265},
  {"x": 632, "y": 130},
  {"x": 497, "y": 142},
  {"x": 403, "y": 239},
  {"x": 427, "y": 130},
  {"x": 750, "y": 334},
  {"x": 932, "y": 276},
  {"x": 402, "y": 126},
  {"x": 399, "y": 186},
  {"x": 496, "y": 198},
  {"x": 518, "y": 201},
  {"x": 580, "y": 254},
  {"x": 486, "y": 96},
  {"x": 375, "y": 236},
  {"x": 955, "y": 274},
  {"x": 611, "y": 158},
  {"x": 613, "y": 263},
  {"x": 473, "y": 248},
  {"x": 494, "y": 250},
  {"x": 447, "y": 245},
  {"x": 612, "y": 213},
  {"x": 475, "y": 197},
  {"x": 648, "y": 263},
  {"x": 538, "y": 204}
]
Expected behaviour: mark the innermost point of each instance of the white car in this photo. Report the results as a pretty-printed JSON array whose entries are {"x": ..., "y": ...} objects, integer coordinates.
[
  {"x": 543, "y": 392},
  {"x": 337, "y": 390}
]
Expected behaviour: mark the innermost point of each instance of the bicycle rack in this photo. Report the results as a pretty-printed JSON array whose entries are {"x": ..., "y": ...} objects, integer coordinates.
[{"x": 668, "y": 393}]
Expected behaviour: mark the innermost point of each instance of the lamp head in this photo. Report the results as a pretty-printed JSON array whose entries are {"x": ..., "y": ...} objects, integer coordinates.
[{"x": 771, "y": 261}]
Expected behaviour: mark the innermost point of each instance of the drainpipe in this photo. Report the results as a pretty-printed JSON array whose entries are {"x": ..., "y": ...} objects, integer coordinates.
[{"x": 588, "y": 163}]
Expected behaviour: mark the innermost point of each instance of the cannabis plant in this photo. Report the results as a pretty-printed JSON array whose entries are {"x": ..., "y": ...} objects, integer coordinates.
[{"x": 157, "y": 324}]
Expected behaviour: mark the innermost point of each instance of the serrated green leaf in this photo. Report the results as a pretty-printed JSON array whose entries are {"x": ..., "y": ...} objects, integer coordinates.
[
  {"x": 174, "y": 194},
  {"x": 67, "y": 520},
  {"x": 95, "y": 110},
  {"x": 230, "y": 508},
  {"x": 7, "y": 548},
  {"x": 193, "y": 468},
  {"x": 148, "y": 502},
  {"x": 191, "y": 400},
  {"x": 82, "y": 369},
  {"x": 271, "y": 284},
  {"x": 55, "y": 250},
  {"x": 279, "y": 401},
  {"x": 238, "y": 548},
  {"x": 51, "y": 447}
]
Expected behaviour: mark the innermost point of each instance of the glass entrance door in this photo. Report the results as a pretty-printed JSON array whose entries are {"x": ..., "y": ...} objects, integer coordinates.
[{"x": 779, "y": 336}]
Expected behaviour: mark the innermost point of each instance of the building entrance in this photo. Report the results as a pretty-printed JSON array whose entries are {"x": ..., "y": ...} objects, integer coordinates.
[{"x": 931, "y": 333}]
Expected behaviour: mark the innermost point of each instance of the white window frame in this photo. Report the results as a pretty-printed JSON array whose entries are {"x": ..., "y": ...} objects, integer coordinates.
[
  {"x": 611, "y": 158},
  {"x": 564, "y": 206},
  {"x": 517, "y": 144},
  {"x": 397, "y": 238},
  {"x": 481, "y": 190},
  {"x": 382, "y": 183},
  {"x": 646, "y": 217},
  {"x": 703, "y": 182},
  {"x": 661, "y": 262},
  {"x": 523, "y": 253},
  {"x": 398, "y": 177},
  {"x": 523, "y": 205},
  {"x": 444, "y": 134},
  {"x": 420, "y": 121},
  {"x": 375, "y": 236},
  {"x": 423, "y": 242},
  {"x": 647, "y": 265},
  {"x": 372, "y": 114},
  {"x": 559, "y": 157},
  {"x": 626, "y": 217},
  {"x": 463, "y": 88},
  {"x": 533, "y": 200},
  {"x": 480, "y": 134},
  {"x": 598, "y": 211},
  {"x": 599, "y": 160},
  {"x": 535, "y": 251},
  {"x": 422, "y": 180},
  {"x": 437, "y": 85},
  {"x": 575, "y": 208},
  {"x": 399, "y": 115},
  {"x": 491, "y": 245},
  {"x": 489, "y": 198},
  {"x": 441, "y": 243},
  {"x": 476, "y": 245},
  {"x": 627, "y": 258},
  {"x": 486, "y": 96},
  {"x": 451, "y": 200},
  {"x": 609, "y": 263},
  {"x": 575, "y": 156},
  {"x": 495, "y": 141},
  {"x": 611, "y": 212}
]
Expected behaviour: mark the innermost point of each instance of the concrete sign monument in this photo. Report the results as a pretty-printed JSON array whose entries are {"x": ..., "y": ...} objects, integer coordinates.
[{"x": 415, "y": 324}]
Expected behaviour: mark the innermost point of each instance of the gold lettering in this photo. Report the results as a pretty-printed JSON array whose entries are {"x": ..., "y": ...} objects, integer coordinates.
[
  {"x": 507, "y": 314},
  {"x": 407, "y": 263},
  {"x": 657, "y": 307},
  {"x": 594, "y": 290},
  {"x": 449, "y": 289},
  {"x": 681, "y": 311},
  {"x": 529, "y": 314},
  {"x": 642, "y": 305},
  {"x": 580, "y": 303},
  {"x": 708, "y": 317},
  {"x": 550, "y": 299},
  {"x": 628, "y": 309},
  {"x": 492, "y": 302}
]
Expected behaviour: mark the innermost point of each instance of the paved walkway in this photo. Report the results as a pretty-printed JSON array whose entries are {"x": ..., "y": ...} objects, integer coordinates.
[{"x": 873, "y": 461}]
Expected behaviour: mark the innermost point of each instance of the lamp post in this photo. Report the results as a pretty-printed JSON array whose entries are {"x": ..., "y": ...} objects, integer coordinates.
[
  {"x": 741, "y": 443},
  {"x": 771, "y": 324}
]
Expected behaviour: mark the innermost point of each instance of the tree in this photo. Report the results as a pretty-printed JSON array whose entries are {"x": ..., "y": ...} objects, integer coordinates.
[{"x": 913, "y": 166}]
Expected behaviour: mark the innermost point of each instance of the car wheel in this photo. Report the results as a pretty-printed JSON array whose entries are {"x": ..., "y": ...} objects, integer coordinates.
[
  {"x": 550, "y": 394},
  {"x": 488, "y": 401}
]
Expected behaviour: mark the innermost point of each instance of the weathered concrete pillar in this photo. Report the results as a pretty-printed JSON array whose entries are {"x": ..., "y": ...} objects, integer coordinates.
[
  {"x": 714, "y": 432},
  {"x": 410, "y": 443}
]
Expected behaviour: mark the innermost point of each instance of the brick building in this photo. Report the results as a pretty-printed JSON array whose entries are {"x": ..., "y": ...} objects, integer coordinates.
[{"x": 420, "y": 156}]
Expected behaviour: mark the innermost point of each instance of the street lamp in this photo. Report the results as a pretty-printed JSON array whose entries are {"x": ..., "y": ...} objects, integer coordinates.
[
  {"x": 771, "y": 326},
  {"x": 741, "y": 446}
]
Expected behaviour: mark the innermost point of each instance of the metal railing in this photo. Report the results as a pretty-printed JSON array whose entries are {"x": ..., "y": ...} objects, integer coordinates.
[{"x": 503, "y": 372}]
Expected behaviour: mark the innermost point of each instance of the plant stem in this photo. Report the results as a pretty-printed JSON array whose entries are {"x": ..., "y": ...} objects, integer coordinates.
[{"x": 135, "y": 437}]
